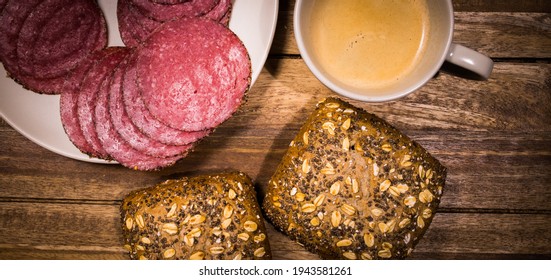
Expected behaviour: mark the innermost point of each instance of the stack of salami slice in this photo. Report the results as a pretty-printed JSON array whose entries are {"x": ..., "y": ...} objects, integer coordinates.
[
  {"x": 144, "y": 106},
  {"x": 139, "y": 18}
]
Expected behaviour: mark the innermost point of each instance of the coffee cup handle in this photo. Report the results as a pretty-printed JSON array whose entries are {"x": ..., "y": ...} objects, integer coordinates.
[{"x": 470, "y": 60}]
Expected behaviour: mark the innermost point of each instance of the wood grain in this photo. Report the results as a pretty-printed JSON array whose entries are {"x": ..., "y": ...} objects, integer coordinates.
[{"x": 505, "y": 35}]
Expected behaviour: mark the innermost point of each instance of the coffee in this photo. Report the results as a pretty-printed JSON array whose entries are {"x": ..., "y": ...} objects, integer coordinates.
[{"x": 369, "y": 44}]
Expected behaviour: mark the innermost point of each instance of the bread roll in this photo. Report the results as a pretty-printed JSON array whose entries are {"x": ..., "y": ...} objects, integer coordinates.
[
  {"x": 202, "y": 217},
  {"x": 353, "y": 187}
]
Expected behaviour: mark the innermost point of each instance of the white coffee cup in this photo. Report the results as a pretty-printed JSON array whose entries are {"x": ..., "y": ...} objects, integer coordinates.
[{"x": 439, "y": 48}]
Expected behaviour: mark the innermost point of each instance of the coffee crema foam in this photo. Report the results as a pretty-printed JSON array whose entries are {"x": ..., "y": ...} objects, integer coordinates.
[{"x": 369, "y": 44}]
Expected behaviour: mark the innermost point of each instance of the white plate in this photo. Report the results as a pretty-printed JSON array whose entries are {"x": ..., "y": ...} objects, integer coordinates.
[{"x": 37, "y": 117}]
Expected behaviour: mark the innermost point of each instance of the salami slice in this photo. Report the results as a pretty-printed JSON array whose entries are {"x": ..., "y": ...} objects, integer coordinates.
[
  {"x": 144, "y": 121},
  {"x": 193, "y": 73},
  {"x": 134, "y": 26},
  {"x": 112, "y": 142},
  {"x": 169, "y": 2},
  {"x": 161, "y": 12},
  {"x": 127, "y": 130},
  {"x": 12, "y": 18},
  {"x": 220, "y": 12},
  {"x": 69, "y": 101},
  {"x": 88, "y": 94},
  {"x": 57, "y": 35},
  {"x": 19, "y": 22}
]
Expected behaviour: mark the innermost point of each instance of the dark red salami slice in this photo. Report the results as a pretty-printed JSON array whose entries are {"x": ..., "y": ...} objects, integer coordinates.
[
  {"x": 88, "y": 94},
  {"x": 69, "y": 101},
  {"x": 57, "y": 35},
  {"x": 134, "y": 27},
  {"x": 141, "y": 118},
  {"x": 113, "y": 143},
  {"x": 169, "y": 2},
  {"x": 127, "y": 130},
  {"x": 160, "y": 12},
  {"x": 12, "y": 18},
  {"x": 193, "y": 73},
  {"x": 220, "y": 12}
]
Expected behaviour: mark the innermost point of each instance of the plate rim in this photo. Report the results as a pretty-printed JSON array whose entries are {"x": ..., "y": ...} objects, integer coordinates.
[{"x": 85, "y": 158}]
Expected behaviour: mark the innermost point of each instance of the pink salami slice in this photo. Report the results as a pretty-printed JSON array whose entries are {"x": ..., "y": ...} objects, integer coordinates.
[
  {"x": 193, "y": 73},
  {"x": 127, "y": 130},
  {"x": 88, "y": 95},
  {"x": 113, "y": 143},
  {"x": 161, "y": 12},
  {"x": 69, "y": 101},
  {"x": 57, "y": 35},
  {"x": 144, "y": 121}
]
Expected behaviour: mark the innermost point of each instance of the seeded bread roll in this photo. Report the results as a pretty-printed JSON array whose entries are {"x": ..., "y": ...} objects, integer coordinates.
[
  {"x": 202, "y": 217},
  {"x": 353, "y": 187}
]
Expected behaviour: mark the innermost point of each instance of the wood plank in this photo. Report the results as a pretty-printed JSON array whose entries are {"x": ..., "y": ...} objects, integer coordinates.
[
  {"x": 495, "y": 139},
  {"x": 496, "y": 34},
  {"x": 535, "y": 6},
  {"x": 83, "y": 231}
]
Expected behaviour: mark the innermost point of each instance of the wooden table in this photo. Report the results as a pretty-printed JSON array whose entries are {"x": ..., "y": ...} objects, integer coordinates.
[{"x": 494, "y": 136}]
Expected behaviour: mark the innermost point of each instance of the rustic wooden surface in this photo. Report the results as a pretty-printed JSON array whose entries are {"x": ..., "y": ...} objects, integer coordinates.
[{"x": 494, "y": 136}]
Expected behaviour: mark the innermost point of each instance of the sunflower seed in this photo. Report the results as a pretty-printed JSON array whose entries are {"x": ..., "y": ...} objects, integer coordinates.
[
  {"x": 226, "y": 223},
  {"x": 232, "y": 194},
  {"x": 315, "y": 221},
  {"x": 427, "y": 213},
  {"x": 250, "y": 226},
  {"x": 344, "y": 243},
  {"x": 369, "y": 239},
  {"x": 259, "y": 238},
  {"x": 426, "y": 196},
  {"x": 260, "y": 252},
  {"x": 385, "y": 254},
  {"x": 139, "y": 221},
  {"x": 350, "y": 255},
  {"x": 169, "y": 253},
  {"x": 348, "y": 209},
  {"x": 377, "y": 212},
  {"x": 197, "y": 256},
  {"x": 410, "y": 201},
  {"x": 216, "y": 250},
  {"x": 170, "y": 228},
  {"x": 197, "y": 219},
  {"x": 330, "y": 127},
  {"x": 318, "y": 201},
  {"x": 335, "y": 188},
  {"x": 345, "y": 144},
  {"x": 346, "y": 124},
  {"x": 228, "y": 211},
  {"x": 336, "y": 218},
  {"x": 243, "y": 236},
  {"x": 172, "y": 212},
  {"x": 420, "y": 222},
  {"x": 308, "y": 208},
  {"x": 196, "y": 232},
  {"x": 129, "y": 223},
  {"x": 305, "y": 166},
  {"x": 384, "y": 185},
  {"x": 404, "y": 222}
]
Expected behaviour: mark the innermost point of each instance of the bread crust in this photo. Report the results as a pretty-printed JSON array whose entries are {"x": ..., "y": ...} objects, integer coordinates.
[
  {"x": 351, "y": 186},
  {"x": 200, "y": 217}
]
